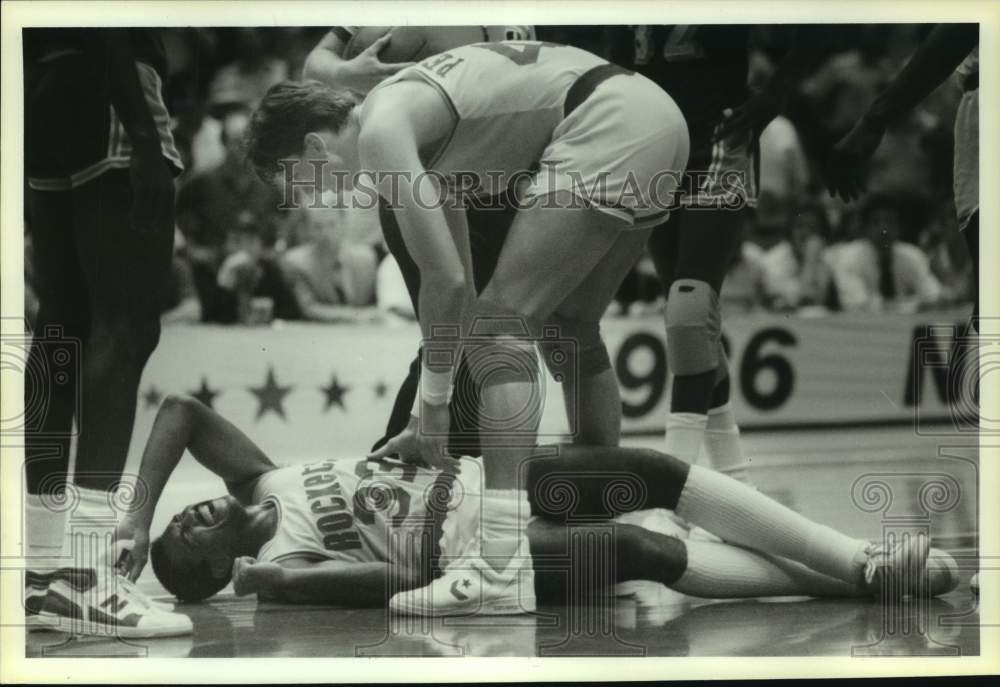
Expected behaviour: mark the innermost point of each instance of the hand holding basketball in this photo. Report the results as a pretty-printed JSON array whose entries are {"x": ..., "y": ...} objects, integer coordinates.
[{"x": 369, "y": 68}]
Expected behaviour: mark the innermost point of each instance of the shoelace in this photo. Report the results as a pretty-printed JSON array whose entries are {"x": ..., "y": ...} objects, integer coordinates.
[
  {"x": 134, "y": 595},
  {"x": 874, "y": 552}
]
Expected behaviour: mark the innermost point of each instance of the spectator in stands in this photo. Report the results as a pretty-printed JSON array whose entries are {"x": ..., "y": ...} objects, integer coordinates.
[
  {"x": 809, "y": 236},
  {"x": 390, "y": 290},
  {"x": 948, "y": 254},
  {"x": 212, "y": 205},
  {"x": 790, "y": 254},
  {"x": 879, "y": 271},
  {"x": 252, "y": 284},
  {"x": 784, "y": 169},
  {"x": 179, "y": 299},
  {"x": 332, "y": 275}
]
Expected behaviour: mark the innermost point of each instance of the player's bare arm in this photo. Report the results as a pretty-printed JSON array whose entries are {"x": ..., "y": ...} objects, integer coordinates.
[
  {"x": 184, "y": 424},
  {"x": 934, "y": 61},
  {"x": 305, "y": 581},
  {"x": 326, "y": 63},
  {"x": 397, "y": 124}
]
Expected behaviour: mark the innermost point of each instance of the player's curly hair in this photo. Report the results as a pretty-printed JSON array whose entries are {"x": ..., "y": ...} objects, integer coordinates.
[
  {"x": 289, "y": 111},
  {"x": 188, "y": 584}
]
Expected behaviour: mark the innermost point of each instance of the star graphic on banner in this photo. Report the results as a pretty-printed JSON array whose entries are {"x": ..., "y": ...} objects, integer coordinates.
[
  {"x": 335, "y": 393},
  {"x": 270, "y": 396},
  {"x": 152, "y": 397},
  {"x": 381, "y": 390},
  {"x": 205, "y": 394}
]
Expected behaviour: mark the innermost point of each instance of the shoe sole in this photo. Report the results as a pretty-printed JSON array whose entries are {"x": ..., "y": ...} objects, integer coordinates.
[
  {"x": 55, "y": 623},
  {"x": 35, "y": 624},
  {"x": 919, "y": 550},
  {"x": 942, "y": 570},
  {"x": 505, "y": 606}
]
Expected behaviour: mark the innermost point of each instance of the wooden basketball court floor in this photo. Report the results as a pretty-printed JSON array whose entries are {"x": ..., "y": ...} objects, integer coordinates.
[{"x": 827, "y": 475}]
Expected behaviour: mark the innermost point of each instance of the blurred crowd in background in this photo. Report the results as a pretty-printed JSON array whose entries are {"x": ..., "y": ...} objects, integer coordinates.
[{"x": 242, "y": 257}]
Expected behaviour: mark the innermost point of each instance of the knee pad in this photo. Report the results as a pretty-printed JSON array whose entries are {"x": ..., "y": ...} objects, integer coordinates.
[
  {"x": 583, "y": 338},
  {"x": 501, "y": 347},
  {"x": 694, "y": 327}
]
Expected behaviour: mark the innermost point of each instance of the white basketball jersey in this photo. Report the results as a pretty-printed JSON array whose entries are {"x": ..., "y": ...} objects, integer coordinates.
[{"x": 354, "y": 510}]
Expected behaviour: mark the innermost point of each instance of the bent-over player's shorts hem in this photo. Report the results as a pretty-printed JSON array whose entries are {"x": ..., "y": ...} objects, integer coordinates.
[
  {"x": 112, "y": 149},
  {"x": 622, "y": 151}
]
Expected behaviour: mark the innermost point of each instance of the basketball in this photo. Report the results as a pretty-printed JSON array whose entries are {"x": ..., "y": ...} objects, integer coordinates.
[{"x": 413, "y": 43}]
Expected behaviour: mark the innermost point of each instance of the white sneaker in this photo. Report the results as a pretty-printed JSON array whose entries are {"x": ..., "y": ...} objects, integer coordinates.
[
  {"x": 100, "y": 602},
  {"x": 896, "y": 572},
  {"x": 942, "y": 572},
  {"x": 36, "y": 586},
  {"x": 471, "y": 586}
]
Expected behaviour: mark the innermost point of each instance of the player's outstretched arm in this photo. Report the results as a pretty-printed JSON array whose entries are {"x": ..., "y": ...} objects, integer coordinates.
[
  {"x": 933, "y": 62},
  {"x": 303, "y": 581},
  {"x": 185, "y": 424},
  {"x": 327, "y": 63}
]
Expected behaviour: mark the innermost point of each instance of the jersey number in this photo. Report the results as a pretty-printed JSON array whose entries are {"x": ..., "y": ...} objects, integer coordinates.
[{"x": 365, "y": 494}]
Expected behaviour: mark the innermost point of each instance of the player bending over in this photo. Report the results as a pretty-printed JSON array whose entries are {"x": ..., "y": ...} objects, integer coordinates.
[
  {"x": 598, "y": 152},
  {"x": 354, "y": 531}
]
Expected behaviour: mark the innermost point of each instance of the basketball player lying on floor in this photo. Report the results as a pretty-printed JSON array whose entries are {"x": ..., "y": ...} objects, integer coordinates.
[{"x": 352, "y": 531}]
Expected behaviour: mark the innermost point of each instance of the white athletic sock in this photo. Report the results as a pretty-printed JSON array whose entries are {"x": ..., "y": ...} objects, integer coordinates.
[
  {"x": 741, "y": 515},
  {"x": 722, "y": 444},
  {"x": 723, "y": 571},
  {"x": 91, "y": 527},
  {"x": 504, "y": 524},
  {"x": 685, "y": 432},
  {"x": 45, "y": 527}
]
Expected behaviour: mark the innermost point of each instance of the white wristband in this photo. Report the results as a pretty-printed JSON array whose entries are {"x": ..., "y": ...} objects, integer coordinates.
[{"x": 435, "y": 387}]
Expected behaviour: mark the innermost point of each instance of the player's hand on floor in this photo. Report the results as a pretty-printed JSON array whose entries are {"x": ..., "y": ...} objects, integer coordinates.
[
  {"x": 369, "y": 69},
  {"x": 846, "y": 169},
  {"x": 152, "y": 192},
  {"x": 252, "y": 577},
  {"x": 134, "y": 536}
]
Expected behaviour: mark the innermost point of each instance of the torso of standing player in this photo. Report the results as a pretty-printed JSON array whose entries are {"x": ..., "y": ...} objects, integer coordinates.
[
  {"x": 352, "y": 510},
  {"x": 504, "y": 100}
]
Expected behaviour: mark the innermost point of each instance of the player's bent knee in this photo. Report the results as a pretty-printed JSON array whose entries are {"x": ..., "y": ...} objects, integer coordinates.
[
  {"x": 580, "y": 339},
  {"x": 501, "y": 348},
  {"x": 694, "y": 327},
  {"x": 644, "y": 554}
]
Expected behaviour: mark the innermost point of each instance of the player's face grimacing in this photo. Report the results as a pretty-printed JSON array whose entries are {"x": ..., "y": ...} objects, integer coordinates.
[{"x": 205, "y": 528}]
